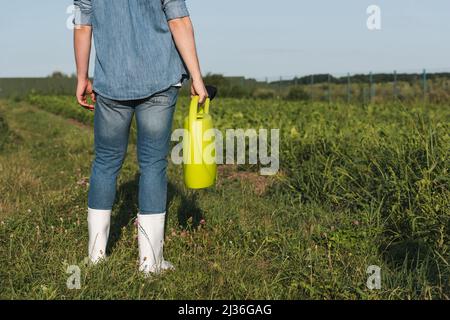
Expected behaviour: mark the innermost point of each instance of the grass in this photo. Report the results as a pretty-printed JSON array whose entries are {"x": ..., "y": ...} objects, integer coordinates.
[{"x": 359, "y": 186}]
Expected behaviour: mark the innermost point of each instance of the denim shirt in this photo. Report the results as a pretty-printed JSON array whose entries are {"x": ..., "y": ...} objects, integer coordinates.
[{"x": 136, "y": 56}]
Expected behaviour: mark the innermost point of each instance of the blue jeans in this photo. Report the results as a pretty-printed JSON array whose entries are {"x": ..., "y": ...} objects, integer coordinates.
[{"x": 112, "y": 121}]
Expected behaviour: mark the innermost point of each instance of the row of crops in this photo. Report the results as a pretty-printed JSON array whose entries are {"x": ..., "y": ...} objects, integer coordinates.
[{"x": 7, "y": 136}]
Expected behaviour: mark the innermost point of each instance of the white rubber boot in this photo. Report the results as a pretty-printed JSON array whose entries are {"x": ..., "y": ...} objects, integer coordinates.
[
  {"x": 98, "y": 223},
  {"x": 151, "y": 243}
]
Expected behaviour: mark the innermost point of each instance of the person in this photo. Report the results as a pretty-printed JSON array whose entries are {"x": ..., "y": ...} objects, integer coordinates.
[{"x": 144, "y": 51}]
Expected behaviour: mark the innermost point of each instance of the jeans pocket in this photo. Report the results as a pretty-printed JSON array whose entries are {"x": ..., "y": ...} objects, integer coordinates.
[
  {"x": 106, "y": 101},
  {"x": 166, "y": 97}
]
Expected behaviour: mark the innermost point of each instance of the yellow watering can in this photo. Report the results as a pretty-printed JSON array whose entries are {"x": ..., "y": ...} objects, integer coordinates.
[{"x": 199, "y": 153}]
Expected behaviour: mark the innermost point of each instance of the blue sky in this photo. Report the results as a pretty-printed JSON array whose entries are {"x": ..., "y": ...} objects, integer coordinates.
[{"x": 256, "y": 38}]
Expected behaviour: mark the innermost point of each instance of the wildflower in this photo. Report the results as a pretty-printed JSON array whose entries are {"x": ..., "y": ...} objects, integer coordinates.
[
  {"x": 294, "y": 133},
  {"x": 84, "y": 182}
]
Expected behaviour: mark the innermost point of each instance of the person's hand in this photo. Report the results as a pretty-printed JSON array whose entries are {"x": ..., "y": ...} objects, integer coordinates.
[
  {"x": 84, "y": 88},
  {"x": 198, "y": 89}
]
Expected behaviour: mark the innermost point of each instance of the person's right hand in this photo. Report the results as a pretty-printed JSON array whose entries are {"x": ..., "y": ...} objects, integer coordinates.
[
  {"x": 84, "y": 88},
  {"x": 198, "y": 89}
]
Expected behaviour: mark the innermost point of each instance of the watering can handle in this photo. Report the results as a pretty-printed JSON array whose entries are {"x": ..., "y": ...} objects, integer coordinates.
[{"x": 193, "y": 109}]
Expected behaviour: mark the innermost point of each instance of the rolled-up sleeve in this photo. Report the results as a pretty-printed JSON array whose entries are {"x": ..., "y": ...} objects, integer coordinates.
[
  {"x": 83, "y": 12},
  {"x": 175, "y": 9}
]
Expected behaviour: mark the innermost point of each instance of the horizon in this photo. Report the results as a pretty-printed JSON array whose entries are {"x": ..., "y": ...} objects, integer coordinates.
[{"x": 273, "y": 79}]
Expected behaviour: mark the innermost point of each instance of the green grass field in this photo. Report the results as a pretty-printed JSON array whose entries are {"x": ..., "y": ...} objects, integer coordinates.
[{"x": 358, "y": 186}]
